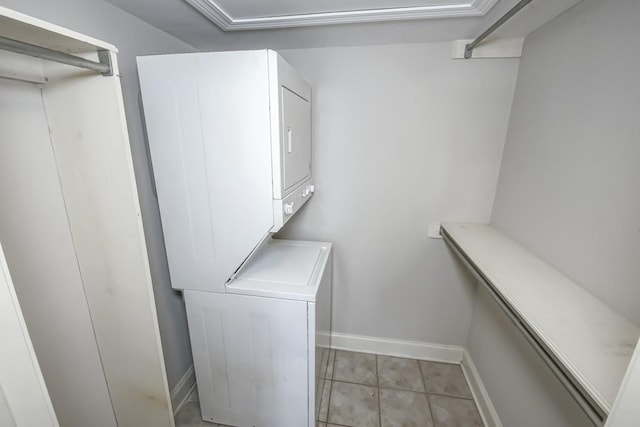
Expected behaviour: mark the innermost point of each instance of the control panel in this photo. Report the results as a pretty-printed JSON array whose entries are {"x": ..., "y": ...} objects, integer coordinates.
[{"x": 285, "y": 208}]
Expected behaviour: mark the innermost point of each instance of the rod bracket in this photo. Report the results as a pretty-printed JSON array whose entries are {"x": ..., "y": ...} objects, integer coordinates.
[
  {"x": 468, "y": 51},
  {"x": 104, "y": 57}
]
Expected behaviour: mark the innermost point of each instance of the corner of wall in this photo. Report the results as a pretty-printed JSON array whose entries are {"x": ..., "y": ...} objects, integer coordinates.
[{"x": 479, "y": 392}]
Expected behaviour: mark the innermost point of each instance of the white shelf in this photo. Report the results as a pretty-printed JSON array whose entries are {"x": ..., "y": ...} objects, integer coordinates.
[{"x": 590, "y": 342}]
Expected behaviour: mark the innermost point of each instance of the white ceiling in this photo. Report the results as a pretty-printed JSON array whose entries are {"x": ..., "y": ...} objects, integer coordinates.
[{"x": 182, "y": 20}]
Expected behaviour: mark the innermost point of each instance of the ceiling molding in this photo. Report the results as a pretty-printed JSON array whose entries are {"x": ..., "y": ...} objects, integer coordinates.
[{"x": 226, "y": 22}]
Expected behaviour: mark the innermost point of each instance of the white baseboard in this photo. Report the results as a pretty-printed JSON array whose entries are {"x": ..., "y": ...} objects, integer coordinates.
[
  {"x": 183, "y": 391},
  {"x": 486, "y": 408},
  {"x": 399, "y": 348}
]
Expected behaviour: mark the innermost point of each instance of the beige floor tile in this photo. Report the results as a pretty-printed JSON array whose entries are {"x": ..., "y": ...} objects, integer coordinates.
[
  {"x": 354, "y": 405},
  {"x": 454, "y": 412},
  {"x": 355, "y": 367},
  {"x": 396, "y": 372},
  {"x": 400, "y": 408},
  {"x": 444, "y": 378}
]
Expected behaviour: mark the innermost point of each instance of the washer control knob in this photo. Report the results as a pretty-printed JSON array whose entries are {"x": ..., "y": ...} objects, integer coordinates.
[
  {"x": 312, "y": 188},
  {"x": 288, "y": 208}
]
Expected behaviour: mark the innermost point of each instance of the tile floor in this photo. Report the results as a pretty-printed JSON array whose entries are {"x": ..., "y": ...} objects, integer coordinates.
[{"x": 367, "y": 390}]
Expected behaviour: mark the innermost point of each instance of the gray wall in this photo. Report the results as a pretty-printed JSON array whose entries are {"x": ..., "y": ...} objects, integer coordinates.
[
  {"x": 132, "y": 37},
  {"x": 569, "y": 184},
  {"x": 569, "y": 190},
  {"x": 403, "y": 135}
]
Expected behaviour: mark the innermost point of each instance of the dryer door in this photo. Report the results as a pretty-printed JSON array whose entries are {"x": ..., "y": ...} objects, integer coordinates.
[{"x": 296, "y": 139}]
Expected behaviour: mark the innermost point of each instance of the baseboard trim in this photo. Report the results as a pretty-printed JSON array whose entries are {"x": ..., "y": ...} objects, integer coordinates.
[
  {"x": 399, "y": 348},
  {"x": 182, "y": 391},
  {"x": 486, "y": 408}
]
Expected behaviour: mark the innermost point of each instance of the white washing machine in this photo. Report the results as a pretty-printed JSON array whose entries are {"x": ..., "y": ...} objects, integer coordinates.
[{"x": 258, "y": 348}]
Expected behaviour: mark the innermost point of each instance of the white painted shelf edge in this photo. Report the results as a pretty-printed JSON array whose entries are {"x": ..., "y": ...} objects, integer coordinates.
[
  {"x": 46, "y": 34},
  {"x": 592, "y": 343}
]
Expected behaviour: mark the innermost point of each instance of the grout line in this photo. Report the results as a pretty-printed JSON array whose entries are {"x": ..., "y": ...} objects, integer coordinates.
[
  {"x": 450, "y": 396},
  {"x": 433, "y": 421},
  {"x": 321, "y": 398},
  {"x": 401, "y": 389},
  {"x": 364, "y": 385},
  {"x": 326, "y": 374},
  {"x": 339, "y": 425},
  {"x": 333, "y": 372},
  {"x": 416, "y": 392},
  {"x": 424, "y": 383},
  {"x": 378, "y": 390},
  {"x": 324, "y": 380}
]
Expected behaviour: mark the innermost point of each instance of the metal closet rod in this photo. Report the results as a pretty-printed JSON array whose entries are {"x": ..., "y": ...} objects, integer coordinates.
[
  {"x": 468, "y": 50},
  {"x": 576, "y": 392},
  {"x": 16, "y": 46}
]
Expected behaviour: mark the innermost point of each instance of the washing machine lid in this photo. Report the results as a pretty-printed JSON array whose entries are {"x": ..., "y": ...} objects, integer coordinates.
[{"x": 283, "y": 269}]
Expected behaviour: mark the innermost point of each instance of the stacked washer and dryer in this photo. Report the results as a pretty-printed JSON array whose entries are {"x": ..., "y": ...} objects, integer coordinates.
[{"x": 230, "y": 142}]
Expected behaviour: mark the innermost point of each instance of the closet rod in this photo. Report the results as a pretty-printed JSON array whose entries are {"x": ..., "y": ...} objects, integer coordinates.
[
  {"x": 16, "y": 46},
  {"x": 576, "y": 392},
  {"x": 468, "y": 50}
]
